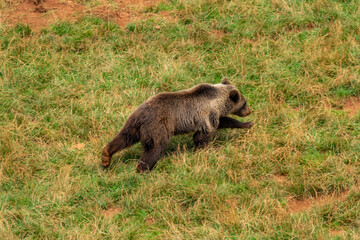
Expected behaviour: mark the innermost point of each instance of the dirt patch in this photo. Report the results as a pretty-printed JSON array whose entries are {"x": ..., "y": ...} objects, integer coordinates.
[
  {"x": 296, "y": 205},
  {"x": 123, "y": 12},
  {"x": 301, "y": 205},
  {"x": 150, "y": 220},
  {"x": 336, "y": 232},
  {"x": 111, "y": 211},
  {"x": 40, "y": 14},
  {"x": 352, "y": 106},
  {"x": 218, "y": 34},
  {"x": 168, "y": 16},
  {"x": 281, "y": 179},
  {"x": 79, "y": 146}
]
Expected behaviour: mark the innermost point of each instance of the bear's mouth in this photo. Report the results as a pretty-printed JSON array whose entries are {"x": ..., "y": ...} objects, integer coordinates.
[{"x": 243, "y": 111}]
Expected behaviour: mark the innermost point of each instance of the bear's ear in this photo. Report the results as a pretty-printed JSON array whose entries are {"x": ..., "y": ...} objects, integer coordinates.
[
  {"x": 234, "y": 96},
  {"x": 225, "y": 81}
]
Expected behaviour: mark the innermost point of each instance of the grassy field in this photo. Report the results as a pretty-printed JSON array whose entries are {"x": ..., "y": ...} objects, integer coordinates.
[{"x": 66, "y": 90}]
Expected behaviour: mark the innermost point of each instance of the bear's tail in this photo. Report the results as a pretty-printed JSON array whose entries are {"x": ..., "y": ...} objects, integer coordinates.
[{"x": 127, "y": 137}]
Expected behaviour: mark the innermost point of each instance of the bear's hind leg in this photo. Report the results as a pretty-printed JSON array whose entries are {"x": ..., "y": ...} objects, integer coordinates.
[
  {"x": 153, "y": 145},
  {"x": 121, "y": 141},
  {"x": 151, "y": 155}
]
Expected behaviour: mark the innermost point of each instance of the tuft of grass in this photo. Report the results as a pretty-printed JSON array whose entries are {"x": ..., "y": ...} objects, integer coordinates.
[
  {"x": 66, "y": 91},
  {"x": 22, "y": 30}
]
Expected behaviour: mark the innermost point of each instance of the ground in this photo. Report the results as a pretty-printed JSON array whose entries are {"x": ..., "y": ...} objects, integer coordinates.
[
  {"x": 40, "y": 14},
  {"x": 352, "y": 106},
  {"x": 71, "y": 73}
]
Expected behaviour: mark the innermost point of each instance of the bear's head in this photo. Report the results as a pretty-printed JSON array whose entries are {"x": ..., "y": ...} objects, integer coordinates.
[{"x": 236, "y": 101}]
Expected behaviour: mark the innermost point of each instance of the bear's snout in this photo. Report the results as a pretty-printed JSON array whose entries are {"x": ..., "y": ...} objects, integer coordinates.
[{"x": 243, "y": 112}]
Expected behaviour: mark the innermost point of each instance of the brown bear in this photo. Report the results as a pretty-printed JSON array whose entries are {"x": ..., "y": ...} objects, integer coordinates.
[{"x": 201, "y": 109}]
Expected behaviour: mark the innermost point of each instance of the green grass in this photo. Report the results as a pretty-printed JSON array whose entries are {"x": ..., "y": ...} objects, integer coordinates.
[{"x": 72, "y": 83}]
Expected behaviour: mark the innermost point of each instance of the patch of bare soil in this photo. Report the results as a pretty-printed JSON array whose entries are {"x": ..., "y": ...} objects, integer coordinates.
[
  {"x": 352, "y": 106},
  {"x": 150, "y": 220},
  {"x": 39, "y": 14},
  {"x": 281, "y": 179},
  {"x": 79, "y": 146},
  {"x": 301, "y": 205},
  {"x": 123, "y": 12},
  {"x": 218, "y": 34},
  {"x": 336, "y": 232},
  {"x": 111, "y": 211}
]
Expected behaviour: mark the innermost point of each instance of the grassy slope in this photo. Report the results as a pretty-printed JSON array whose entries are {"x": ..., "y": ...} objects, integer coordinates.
[{"x": 77, "y": 83}]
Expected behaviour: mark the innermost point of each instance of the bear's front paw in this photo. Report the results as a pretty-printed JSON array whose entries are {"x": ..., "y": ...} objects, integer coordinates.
[
  {"x": 105, "y": 162},
  {"x": 143, "y": 168},
  {"x": 247, "y": 125}
]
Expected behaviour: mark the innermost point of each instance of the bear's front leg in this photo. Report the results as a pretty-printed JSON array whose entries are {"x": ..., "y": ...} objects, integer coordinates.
[{"x": 228, "y": 122}]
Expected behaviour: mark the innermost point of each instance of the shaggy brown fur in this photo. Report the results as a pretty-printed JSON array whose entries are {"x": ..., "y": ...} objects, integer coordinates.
[{"x": 201, "y": 109}]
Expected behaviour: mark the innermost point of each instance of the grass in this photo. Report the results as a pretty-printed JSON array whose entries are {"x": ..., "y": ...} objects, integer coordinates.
[{"x": 73, "y": 83}]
